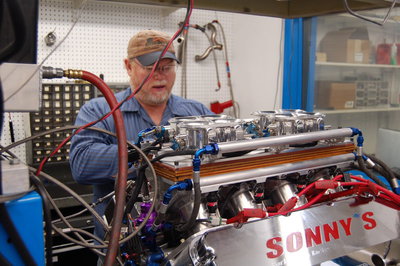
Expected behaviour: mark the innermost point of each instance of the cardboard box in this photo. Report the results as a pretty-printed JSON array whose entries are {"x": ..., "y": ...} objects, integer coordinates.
[
  {"x": 358, "y": 51},
  {"x": 321, "y": 57},
  {"x": 349, "y": 45},
  {"x": 335, "y": 95}
]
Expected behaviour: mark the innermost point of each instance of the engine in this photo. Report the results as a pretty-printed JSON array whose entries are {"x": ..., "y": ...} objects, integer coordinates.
[{"x": 275, "y": 188}]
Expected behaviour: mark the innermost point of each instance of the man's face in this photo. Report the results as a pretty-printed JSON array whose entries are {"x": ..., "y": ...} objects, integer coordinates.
[{"x": 157, "y": 90}]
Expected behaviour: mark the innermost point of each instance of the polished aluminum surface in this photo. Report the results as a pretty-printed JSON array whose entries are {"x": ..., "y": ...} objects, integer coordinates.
[
  {"x": 196, "y": 131},
  {"x": 284, "y": 190},
  {"x": 265, "y": 118},
  {"x": 241, "y": 199},
  {"x": 212, "y": 183},
  {"x": 253, "y": 144},
  {"x": 306, "y": 237}
]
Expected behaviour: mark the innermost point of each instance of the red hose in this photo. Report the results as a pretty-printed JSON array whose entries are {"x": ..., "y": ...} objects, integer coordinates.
[
  {"x": 392, "y": 195},
  {"x": 120, "y": 183}
]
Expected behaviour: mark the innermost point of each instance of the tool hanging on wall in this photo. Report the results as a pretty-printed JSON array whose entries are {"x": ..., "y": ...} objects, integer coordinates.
[
  {"x": 181, "y": 53},
  {"x": 213, "y": 42},
  {"x": 213, "y": 45},
  {"x": 236, "y": 109}
]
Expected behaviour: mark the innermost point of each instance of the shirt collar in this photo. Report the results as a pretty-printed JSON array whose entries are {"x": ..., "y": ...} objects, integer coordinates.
[
  {"x": 174, "y": 106},
  {"x": 132, "y": 105}
]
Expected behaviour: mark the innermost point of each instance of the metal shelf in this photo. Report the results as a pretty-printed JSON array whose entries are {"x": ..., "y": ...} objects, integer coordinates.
[
  {"x": 283, "y": 9},
  {"x": 364, "y": 110},
  {"x": 340, "y": 64}
]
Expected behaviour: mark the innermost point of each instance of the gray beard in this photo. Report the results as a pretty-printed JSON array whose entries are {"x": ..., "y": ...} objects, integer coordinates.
[{"x": 153, "y": 99}]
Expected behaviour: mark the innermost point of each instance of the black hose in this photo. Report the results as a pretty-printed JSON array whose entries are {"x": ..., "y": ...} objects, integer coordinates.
[
  {"x": 47, "y": 218},
  {"x": 141, "y": 176},
  {"x": 138, "y": 185},
  {"x": 174, "y": 153},
  {"x": 368, "y": 172},
  {"x": 197, "y": 191},
  {"x": 390, "y": 176},
  {"x": 195, "y": 210},
  {"x": 133, "y": 154},
  {"x": 16, "y": 239},
  {"x": 381, "y": 171}
]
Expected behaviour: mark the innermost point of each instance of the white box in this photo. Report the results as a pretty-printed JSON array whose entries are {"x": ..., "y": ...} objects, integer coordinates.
[{"x": 14, "y": 178}]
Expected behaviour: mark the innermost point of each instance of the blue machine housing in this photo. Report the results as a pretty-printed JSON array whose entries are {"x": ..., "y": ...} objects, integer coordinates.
[{"x": 27, "y": 215}]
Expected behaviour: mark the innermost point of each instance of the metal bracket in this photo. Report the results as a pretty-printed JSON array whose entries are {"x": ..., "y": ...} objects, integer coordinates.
[{"x": 213, "y": 42}]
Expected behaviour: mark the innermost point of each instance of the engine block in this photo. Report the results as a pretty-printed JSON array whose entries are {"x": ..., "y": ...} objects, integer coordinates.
[{"x": 235, "y": 181}]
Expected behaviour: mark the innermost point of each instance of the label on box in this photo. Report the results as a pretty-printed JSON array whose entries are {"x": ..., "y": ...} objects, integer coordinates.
[
  {"x": 358, "y": 57},
  {"x": 349, "y": 104}
]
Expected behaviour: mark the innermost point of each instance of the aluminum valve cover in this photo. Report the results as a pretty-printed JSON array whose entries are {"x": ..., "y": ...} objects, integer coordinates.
[{"x": 306, "y": 237}]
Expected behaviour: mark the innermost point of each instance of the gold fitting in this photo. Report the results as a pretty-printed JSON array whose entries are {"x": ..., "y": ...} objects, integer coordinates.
[{"x": 73, "y": 74}]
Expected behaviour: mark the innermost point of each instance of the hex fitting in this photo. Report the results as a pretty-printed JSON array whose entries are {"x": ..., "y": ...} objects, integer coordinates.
[
  {"x": 52, "y": 72},
  {"x": 73, "y": 74}
]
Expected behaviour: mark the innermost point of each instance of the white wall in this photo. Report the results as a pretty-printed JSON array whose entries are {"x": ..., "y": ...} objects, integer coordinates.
[{"x": 256, "y": 63}]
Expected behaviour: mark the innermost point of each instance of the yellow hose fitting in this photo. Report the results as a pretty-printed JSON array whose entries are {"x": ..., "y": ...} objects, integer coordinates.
[{"x": 73, "y": 74}]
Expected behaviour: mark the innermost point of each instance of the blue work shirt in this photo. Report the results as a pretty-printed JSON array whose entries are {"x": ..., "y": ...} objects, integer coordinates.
[{"x": 94, "y": 155}]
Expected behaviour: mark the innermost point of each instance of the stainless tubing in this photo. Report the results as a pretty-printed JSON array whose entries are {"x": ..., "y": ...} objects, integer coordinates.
[
  {"x": 212, "y": 183},
  {"x": 254, "y": 144}
]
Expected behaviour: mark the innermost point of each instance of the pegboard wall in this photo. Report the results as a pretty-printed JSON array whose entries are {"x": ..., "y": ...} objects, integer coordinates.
[
  {"x": 20, "y": 131},
  {"x": 99, "y": 40}
]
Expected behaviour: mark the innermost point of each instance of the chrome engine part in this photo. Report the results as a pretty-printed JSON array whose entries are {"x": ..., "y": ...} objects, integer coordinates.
[
  {"x": 195, "y": 132},
  {"x": 286, "y": 122},
  {"x": 247, "y": 177}
]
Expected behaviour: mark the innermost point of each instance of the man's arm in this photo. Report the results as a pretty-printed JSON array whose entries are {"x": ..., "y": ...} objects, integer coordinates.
[{"x": 93, "y": 155}]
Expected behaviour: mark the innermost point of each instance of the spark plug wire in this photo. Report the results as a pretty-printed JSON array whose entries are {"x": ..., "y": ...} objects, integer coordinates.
[{"x": 362, "y": 185}]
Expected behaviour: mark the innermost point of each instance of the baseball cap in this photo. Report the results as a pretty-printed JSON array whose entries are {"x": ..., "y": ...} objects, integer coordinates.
[{"x": 147, "y": 45}]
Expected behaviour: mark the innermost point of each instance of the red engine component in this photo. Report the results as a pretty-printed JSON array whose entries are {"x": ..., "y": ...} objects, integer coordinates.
[{"x": 218, "y": 107}]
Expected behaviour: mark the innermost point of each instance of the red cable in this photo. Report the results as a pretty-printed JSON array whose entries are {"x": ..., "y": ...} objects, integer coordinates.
[
  {"x": 387, "y": 195},
  {"x": 394, "y": 196},
  {"x": 120, "y": 183}
]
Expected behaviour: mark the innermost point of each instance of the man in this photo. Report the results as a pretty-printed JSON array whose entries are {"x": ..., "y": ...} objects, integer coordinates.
[{"x": 93, "y": 156}]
